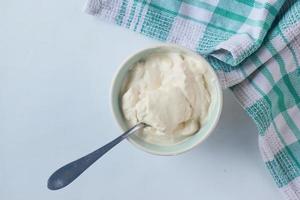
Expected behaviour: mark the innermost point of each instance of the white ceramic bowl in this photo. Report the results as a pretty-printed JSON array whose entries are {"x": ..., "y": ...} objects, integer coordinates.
[{"x": 190, "y": 142}]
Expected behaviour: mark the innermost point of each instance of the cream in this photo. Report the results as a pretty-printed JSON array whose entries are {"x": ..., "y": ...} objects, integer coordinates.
[{"x": 168, "y": 91}]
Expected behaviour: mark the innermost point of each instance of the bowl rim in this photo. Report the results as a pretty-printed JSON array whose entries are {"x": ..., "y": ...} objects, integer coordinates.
[{"x": 210, "y": 129}]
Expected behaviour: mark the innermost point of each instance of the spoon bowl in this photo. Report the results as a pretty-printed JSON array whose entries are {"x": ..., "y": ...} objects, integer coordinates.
[{"x": 68, "y": 173}]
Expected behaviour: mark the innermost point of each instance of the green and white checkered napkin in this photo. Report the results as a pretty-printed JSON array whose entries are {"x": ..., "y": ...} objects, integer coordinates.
[{"x": 254, "y": 46}]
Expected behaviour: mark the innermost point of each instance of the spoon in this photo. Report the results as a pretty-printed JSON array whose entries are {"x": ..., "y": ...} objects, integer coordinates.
[{"x": 68, "y": 173}]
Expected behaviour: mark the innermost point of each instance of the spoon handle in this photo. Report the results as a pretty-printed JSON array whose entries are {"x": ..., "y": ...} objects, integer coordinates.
[{"x": 68, "y": 173}]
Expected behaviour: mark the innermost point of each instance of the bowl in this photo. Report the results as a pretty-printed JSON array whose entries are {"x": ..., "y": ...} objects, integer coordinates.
[{"x": 188, "y": 143}]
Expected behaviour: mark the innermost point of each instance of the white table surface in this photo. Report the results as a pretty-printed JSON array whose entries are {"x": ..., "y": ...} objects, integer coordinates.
[{"x": 56, "y": 67}]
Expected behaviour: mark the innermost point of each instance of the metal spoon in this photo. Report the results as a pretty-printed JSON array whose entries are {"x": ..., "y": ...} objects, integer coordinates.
[{"x": 68, "y": 173}]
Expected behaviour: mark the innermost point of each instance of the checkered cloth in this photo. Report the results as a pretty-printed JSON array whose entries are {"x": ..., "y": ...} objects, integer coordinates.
[{"x": 254, "y": 46}]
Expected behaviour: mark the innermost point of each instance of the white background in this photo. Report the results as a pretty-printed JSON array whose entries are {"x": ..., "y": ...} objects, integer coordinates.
[{"x": 56, "y": 67}]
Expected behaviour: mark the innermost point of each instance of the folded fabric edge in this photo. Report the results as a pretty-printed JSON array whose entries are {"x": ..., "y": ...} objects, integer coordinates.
[
  {"x": 291, "y": 191},
  {"x": 92, "y": 7},
  {"x": 112, "y": 10},
  {"x": 276, "y": 157}
]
